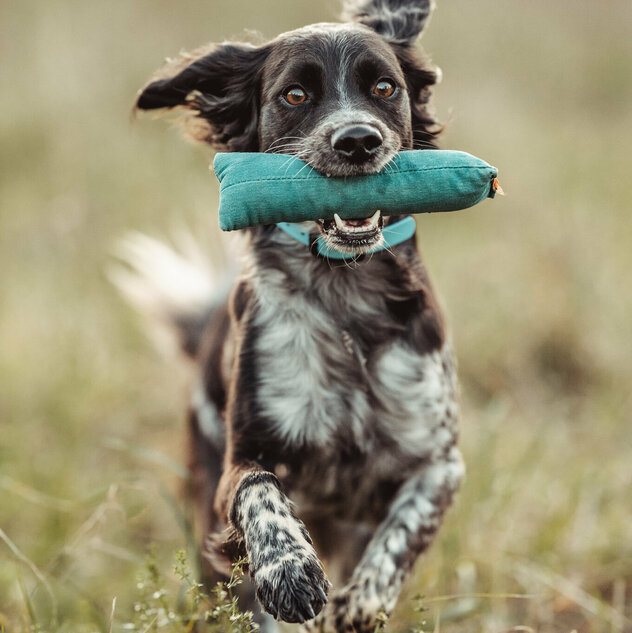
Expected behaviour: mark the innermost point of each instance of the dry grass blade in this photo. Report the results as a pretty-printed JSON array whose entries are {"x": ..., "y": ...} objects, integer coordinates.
[
  {"x": 112, "y": 614},
  {"x": 36, "y": 572},
  {"x": 618, "y": 621},
  {"x": 35, "y": 496}
]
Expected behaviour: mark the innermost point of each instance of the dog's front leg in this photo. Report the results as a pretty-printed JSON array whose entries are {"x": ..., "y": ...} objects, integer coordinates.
[
  {"x": 288, "y": 577},
  {"x": 412, "y": 521}
]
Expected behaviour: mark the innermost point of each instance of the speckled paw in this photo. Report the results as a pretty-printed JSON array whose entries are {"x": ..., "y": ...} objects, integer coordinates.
[
  {"x": 344, "y": 613},
  {"x": 292, "y": 589}
]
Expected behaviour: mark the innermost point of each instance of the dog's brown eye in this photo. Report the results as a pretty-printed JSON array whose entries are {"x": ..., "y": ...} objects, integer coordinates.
[
  {"x": 384, "y": 88},
  {"x": 296, "y": 96}
]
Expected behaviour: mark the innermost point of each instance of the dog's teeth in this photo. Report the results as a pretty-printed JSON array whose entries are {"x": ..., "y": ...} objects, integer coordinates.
[
  {"x": 339, "y": 222},
  {"x": 373, "y": 220}
]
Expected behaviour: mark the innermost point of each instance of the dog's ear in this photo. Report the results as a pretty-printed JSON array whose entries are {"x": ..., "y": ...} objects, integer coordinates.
[
  {"x": 420, "y": 76},
  {"x": 398, "y": 21},
  {"x": 219, "y": 86}
]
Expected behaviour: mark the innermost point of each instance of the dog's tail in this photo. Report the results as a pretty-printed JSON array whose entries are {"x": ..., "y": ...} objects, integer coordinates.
[{"x": 179, "y": 292}]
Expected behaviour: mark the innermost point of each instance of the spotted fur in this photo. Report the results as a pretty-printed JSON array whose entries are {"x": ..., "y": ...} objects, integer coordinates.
[
  {"x": 399, "y": 21},
  {"x": 412, "y": 521},
  {"x": 328, "y": 388},
  {"x": 288, "y": 576}
]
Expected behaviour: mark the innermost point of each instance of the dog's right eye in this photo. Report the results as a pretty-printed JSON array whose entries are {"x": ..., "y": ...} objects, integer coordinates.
[
  {"x": 384, "y": 88},
  {"x": 295, "y": 96}
]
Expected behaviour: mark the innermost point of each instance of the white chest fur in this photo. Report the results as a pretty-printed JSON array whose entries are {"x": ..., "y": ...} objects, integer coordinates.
[
  {"x": 302, "y": 367},
  {"x": 309, "y": 387}
]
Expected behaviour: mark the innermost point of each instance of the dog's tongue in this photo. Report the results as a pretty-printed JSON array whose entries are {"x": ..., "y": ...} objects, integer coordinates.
[{"x": 359, "y": 222}]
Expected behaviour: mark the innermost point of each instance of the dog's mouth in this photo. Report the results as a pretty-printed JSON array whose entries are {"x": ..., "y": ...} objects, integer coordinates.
[{"x": 354, "y": 236}]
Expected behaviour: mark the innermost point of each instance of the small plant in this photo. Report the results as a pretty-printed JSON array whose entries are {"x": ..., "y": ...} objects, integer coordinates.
[
  {"x": 225, "y": 616},
  {"x": 194, "y": 609},
  {"x": 382, "y": 619},
  {"x": 419, "y": 608},
  {"x": 152, "y": 610}
]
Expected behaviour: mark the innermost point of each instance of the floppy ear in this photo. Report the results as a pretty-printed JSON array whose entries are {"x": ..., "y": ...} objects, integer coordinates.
[
  {"x": 219, "y": 86},
  {"x": 398, "y": 21},
  {"x": 420, "y": 76}
]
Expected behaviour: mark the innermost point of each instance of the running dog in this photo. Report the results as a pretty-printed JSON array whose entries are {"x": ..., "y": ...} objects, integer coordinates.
[{"x": 324, "y": 424}]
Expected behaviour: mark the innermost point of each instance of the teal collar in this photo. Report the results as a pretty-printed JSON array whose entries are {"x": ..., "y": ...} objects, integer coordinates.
[{"x": 394, "y": 234}]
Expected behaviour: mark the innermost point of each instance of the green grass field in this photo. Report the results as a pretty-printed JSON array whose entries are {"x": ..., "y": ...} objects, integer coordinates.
[{"x": 536, "y": 285}]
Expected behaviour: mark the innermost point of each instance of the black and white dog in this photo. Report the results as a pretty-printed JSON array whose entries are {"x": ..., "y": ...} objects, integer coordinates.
[{"x": 327, "y": 388}]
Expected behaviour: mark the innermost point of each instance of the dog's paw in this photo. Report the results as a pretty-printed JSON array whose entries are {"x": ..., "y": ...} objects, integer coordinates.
[
  {"x": 292, "y": 588},
  {"x": 347, "y": 611}
]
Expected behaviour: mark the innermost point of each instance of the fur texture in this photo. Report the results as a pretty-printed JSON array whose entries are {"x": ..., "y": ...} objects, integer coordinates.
[
  {"x": 398, "y": 21},
  {"x": 327, "y": 390}
]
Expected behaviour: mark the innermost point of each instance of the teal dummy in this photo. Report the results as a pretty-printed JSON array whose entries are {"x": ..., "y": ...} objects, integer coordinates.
[{"x": 258, "y": 188}]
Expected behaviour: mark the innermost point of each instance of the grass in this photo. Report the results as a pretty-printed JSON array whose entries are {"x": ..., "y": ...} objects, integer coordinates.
[{"x": 536, "y": 286}]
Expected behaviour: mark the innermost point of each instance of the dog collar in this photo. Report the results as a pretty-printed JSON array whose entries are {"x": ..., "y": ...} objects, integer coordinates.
[{"x": 393, "y": 234}]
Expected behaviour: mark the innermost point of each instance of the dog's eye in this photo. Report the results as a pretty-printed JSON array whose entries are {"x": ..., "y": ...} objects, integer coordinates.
[
  {"x": 384, "y": 88},
  {"x": 295, "y": 96}
]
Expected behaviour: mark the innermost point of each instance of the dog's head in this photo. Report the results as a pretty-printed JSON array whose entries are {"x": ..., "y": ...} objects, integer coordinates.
[{"x": 344, "y": 98}]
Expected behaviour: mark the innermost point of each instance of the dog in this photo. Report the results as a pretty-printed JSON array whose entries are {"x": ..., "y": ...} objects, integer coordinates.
[{"x": 324, "y": 424}]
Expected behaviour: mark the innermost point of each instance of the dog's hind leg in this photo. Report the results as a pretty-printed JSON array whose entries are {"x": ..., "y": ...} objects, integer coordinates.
[
  {"x": 205, "y": 458},
  {"x": 411, "y": 523}
]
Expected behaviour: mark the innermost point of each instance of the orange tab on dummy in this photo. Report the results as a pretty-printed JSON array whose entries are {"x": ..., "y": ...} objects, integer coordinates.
[{"x": 496, "y": 188}]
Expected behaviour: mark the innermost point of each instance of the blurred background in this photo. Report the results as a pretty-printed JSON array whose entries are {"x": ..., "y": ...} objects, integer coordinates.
[{"x": 536, "y": 285}]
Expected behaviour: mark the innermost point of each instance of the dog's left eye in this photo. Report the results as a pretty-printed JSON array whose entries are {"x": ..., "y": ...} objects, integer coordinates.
[
  {"x": 295, "y": 95},
  {"x": 384, "y": 88}
]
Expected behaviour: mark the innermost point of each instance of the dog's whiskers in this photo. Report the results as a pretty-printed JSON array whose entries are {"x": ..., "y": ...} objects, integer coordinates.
[
  {"x": 308, "y": 163},
  {"x": 277, "y": 148},
  {"x": 289, "y": 162},
  {"x": 390, "y": 164},
  {"x": 420, "y": 144},
  {"x": 285, "y": 138}
]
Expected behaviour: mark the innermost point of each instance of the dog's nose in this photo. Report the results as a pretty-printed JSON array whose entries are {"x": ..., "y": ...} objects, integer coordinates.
[{"x": 358, "y": 141}]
